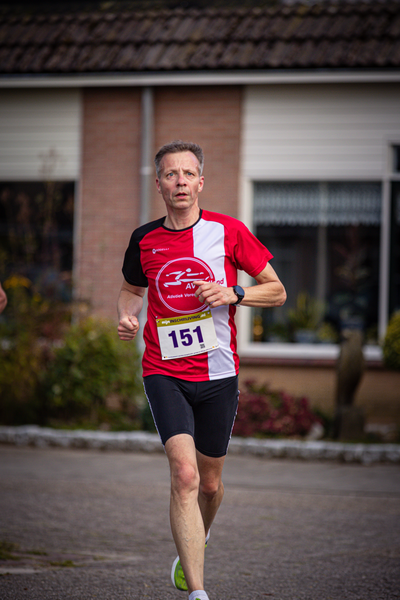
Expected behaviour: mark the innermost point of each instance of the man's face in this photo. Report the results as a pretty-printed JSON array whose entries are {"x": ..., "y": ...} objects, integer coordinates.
[{"x": 180, "y": 182}]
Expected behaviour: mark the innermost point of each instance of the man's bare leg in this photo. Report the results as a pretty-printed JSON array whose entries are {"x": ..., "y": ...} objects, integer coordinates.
[
  {"x": 196, "y": 494},
  {"x": 211, "y": 489},
  {"x": 185, "y": 515}
]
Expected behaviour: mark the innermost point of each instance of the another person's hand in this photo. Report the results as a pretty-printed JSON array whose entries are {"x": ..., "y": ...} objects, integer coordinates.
[{"x": 3, "y": 299}]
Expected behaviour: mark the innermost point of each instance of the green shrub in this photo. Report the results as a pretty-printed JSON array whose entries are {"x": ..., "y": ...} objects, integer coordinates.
[
  {"x": 91, "y": 367},
  {"x": 391, "y": 344},
  {"x": 27, "y": 328},
  {"x": 21, "y": 365},
  {"x": 30, "y": 314},
  {"x": 58, "y": 374},
  {"x": 266, "y": 413}
]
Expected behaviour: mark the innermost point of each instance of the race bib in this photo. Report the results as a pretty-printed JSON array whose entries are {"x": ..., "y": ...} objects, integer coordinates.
[{"x": 187, "y": 335}]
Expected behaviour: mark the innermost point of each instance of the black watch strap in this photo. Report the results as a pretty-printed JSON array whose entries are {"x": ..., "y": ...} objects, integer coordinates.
[{"x": 239, "y": 291}]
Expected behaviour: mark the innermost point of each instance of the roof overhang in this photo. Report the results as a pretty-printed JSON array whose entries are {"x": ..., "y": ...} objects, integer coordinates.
[{"x": 174, "y": 78}]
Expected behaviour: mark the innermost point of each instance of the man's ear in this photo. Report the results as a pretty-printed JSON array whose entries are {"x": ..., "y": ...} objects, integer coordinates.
[
  {"x": 201, "y": 183},
  {"x": 158, "y": 186}
]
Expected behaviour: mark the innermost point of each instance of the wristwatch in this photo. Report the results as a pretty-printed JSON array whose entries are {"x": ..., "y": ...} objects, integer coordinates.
[{"x": 239, "y": 291}]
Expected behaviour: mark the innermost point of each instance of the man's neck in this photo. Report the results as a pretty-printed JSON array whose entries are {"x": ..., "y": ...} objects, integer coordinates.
[{"x": 181, "y": 220}]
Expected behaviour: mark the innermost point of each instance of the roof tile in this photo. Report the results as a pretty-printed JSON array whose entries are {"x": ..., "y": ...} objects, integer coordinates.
[{"x": 303, "y": 35}]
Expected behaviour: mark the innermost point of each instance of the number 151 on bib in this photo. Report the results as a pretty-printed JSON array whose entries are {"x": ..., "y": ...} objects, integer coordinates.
[{"x": 186, "y": 336}]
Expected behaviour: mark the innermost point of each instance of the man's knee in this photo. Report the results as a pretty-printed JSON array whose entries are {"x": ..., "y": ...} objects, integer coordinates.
[
  {"x": 210, "y": 488},
  {"x": 185, "y": 477}
]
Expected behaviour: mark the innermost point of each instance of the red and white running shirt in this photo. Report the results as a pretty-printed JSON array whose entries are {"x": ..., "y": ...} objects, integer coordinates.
[{"x": 167, "y": 262}]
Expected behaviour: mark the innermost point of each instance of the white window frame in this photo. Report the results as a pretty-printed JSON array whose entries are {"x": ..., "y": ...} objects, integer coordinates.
[
  {"x": 250, "y": 349},
  {"x": 389, "y": 177}
]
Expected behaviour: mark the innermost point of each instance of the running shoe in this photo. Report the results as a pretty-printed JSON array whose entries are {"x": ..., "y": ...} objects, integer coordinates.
[{"x": 177, "y": 574}]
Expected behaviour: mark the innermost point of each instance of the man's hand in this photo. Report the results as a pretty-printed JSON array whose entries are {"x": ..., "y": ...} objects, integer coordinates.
[
  {"x": 213, "y": 294},
  {"x": 128, "y": 328},
  {"x": 130, "y": 303},
  {"x": 268, "y": 292}
]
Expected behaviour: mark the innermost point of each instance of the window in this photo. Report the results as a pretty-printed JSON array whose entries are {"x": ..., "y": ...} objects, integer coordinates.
[
  {"x": 325, "y": 238},
  {"x": 36, "y": 235}
]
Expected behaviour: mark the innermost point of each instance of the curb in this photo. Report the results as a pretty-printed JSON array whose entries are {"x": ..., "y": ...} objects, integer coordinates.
[{"x": 141, "y": 441}]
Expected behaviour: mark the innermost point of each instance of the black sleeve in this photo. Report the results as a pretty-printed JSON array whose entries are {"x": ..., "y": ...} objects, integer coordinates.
[{"x": 132, "y": 267}]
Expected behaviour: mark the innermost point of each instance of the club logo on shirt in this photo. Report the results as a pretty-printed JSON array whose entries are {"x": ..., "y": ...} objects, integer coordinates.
[{"x": 175, "y": 285}]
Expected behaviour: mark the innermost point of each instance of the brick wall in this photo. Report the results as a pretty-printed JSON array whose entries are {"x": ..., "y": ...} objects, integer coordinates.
[
  {"x": 211, "y": 117},
  {"x": 109, "y": 192}
]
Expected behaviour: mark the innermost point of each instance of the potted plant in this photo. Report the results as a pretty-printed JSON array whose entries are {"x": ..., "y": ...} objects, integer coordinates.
[{"x": 305, "y": 318}]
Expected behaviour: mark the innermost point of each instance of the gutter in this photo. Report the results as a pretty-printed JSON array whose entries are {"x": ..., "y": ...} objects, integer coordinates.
[{"x": 174, "y": 78}]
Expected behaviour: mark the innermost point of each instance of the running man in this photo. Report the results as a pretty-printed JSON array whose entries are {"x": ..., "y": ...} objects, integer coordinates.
[{"x": 188, "y": 260}]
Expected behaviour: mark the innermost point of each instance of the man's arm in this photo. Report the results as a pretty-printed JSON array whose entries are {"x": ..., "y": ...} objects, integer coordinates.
[
  {"x": 268, "y": 292},
  {"x": 130, "y": 304}
]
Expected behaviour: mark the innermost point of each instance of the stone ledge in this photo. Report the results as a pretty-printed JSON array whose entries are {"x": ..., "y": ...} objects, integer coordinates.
[
  {"x": 141, "y": 441},
  {"x": 318, "y": 450},
  {"x": 32, "y": 435}
]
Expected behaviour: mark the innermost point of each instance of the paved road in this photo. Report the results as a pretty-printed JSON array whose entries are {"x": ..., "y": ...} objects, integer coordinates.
[{"x": 89, "y": 524}]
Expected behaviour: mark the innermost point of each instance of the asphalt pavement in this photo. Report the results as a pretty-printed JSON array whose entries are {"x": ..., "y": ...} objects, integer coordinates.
[{"x": 87, "y": 524}]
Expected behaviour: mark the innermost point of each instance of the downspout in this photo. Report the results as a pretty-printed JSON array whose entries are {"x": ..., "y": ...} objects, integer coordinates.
[
  {"x": 147, "y": 167},
  {"x": 146, "y": 180}
]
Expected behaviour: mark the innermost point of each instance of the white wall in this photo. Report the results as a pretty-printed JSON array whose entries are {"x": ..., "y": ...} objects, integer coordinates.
[
  {"x": 319, "y": 132},
  {"x": 39, "y": 130}
]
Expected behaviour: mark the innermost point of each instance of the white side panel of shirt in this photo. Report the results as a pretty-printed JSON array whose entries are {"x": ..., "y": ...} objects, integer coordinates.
[{"x": 209, "y": 245}]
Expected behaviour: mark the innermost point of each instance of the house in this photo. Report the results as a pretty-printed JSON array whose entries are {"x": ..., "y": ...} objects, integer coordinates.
[{"x": 297, "y": 107}]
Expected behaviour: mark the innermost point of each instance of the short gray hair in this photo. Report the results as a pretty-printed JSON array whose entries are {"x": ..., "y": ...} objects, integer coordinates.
[{"x": 179, "y": 146}]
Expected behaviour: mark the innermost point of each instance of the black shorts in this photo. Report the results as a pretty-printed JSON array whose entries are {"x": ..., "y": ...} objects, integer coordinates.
[{"x": 206, "y": 410}]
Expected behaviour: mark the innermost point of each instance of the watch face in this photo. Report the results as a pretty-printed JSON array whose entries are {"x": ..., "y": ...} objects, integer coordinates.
[{"x": 239, "y": 293}]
